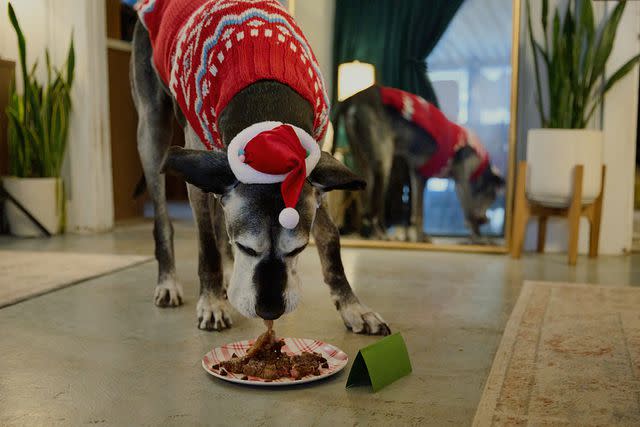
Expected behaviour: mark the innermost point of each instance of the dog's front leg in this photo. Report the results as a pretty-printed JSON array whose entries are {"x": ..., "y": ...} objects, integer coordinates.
[
  {"x": 417, "y": 206},
  {"x": 213, "y": 310},
  {"x": 356, "y": 316},
  {"x": 464, "y": 196}
]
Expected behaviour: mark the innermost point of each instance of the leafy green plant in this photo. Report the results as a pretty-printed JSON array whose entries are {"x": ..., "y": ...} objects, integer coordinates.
[
  {"x": 574, "y": 54},
  {"x": 39, "y": 118}
]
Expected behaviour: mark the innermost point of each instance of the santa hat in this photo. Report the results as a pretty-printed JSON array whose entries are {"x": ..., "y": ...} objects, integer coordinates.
[{"x": 272, "y": 152}]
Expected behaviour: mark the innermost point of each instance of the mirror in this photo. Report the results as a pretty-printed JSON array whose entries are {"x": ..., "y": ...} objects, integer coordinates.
[{"x": 439, "y": 170}]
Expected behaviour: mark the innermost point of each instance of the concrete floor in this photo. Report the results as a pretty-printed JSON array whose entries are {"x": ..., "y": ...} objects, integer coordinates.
[{"x": 101, "y": 353}]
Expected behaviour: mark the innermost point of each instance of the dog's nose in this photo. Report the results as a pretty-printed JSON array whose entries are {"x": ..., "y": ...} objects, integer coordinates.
[
  {"x": 270, "y": 277},
  {"x": 269, "y": 313}
]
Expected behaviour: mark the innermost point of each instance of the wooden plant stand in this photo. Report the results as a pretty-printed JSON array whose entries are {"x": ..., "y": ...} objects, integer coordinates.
[{"x": 525, "y": 209}]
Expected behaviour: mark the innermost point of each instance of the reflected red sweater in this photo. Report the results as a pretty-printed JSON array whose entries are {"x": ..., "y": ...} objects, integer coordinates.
[
  {"x": 206, "y": 51},
  {"x": 449, "y": 136}
]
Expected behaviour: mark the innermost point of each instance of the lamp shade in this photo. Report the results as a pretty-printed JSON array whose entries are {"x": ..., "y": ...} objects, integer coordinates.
[{"x": 354, "y": 77}]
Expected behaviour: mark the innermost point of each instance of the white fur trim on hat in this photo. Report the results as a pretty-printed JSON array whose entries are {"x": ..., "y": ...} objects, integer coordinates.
[{"x": 248, "y": 175}]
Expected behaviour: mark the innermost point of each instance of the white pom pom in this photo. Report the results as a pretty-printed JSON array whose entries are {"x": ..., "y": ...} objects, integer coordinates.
[{"x": 289, "y": 218}]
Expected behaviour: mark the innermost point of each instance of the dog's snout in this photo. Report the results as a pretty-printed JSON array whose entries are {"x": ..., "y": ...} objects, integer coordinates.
[
  {"x": 270, "y": 278},
  {"x": 268, "y": 314}
]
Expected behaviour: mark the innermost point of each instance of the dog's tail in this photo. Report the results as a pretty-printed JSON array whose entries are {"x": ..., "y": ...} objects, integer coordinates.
[{"x": 141, "y": 187}]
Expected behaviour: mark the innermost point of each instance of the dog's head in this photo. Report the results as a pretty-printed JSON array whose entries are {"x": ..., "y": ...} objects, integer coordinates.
[
  {"x": 264, "y": 282},
  {"x": 476, "y": 195},
  {"x": 484, "y": 191}
]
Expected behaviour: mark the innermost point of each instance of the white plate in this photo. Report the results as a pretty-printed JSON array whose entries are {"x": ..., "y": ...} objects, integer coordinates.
[{"x": 336, "y": 359}]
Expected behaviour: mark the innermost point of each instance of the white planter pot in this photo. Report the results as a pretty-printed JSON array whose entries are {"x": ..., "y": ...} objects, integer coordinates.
[
  {"x": 42, "y": 197},
  {"x": 552, "y": 155}
]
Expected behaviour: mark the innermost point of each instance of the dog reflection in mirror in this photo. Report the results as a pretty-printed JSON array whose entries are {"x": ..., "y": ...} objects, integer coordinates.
[{"x": 385, "y": 125}]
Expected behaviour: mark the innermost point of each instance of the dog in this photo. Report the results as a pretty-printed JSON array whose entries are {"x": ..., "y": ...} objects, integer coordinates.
[
  {"x": 383, "y": 124},
  {"x": 204, "y": 61}
]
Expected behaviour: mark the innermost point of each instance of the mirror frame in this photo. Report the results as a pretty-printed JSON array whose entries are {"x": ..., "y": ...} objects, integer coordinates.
[{"x": 511, "y": 172}]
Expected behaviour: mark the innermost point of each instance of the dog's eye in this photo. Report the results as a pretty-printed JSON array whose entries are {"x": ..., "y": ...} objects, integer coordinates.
[
  {"x": 295, "y": 251},
  {"x": 246, "y": 250}
]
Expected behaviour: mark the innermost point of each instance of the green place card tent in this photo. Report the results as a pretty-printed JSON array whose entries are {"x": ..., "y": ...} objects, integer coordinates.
[{"x": 380, "y": 363}]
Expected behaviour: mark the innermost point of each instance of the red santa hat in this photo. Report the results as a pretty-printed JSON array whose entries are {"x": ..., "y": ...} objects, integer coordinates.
[{"x": 272, "y": 152}]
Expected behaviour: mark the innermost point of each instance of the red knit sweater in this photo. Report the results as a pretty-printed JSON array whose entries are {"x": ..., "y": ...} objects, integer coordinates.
[
  {"x": 448, "y": 136},
  {"x": 206, "y": 51}
]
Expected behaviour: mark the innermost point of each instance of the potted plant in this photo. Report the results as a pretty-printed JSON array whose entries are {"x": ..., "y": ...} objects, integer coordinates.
[
  {"x": 573, "y": 54},
  {"x": 37, "y": 137}
]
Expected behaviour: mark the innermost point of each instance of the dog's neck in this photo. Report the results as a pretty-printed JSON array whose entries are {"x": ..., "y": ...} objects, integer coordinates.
[
  {"x": 465, "y": 163},
  {"x": 264, "y": 101}
]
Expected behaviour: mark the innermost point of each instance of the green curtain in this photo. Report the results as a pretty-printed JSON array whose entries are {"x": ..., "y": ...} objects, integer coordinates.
[{"x": 396, "y": 36}]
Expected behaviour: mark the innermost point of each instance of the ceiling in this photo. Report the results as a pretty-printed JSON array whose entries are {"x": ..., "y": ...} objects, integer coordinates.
[{"x": 480, "y": 33}]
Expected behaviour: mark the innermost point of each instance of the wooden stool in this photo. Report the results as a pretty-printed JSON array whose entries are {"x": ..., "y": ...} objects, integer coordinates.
[{"x": 524, "y": 209}]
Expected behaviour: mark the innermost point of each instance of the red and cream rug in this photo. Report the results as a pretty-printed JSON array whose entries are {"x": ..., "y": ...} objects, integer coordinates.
[{"x": 570, "y": 355}]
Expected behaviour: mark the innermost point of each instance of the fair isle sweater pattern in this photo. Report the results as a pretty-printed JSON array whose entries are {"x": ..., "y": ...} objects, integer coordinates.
[{"x": 206, "y": 51}]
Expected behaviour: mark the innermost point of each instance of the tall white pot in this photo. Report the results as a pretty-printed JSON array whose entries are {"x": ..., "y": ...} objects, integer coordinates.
[
  {"x": 552, "y": 155},
  {"x": 42, "y": 197}
]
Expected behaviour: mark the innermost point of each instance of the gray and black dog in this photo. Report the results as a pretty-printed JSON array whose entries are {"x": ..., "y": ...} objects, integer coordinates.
[
  {"x": 243, "y": 252},
  {"x": 377, "y": 134}
]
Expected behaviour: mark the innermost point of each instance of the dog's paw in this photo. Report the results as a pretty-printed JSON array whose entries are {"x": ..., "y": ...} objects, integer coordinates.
[
  {"x": 213, "y": 313},
  {"x": 168, "y": 293},
  {"x": 415, "y": 234},
  {"x": 362, "y": 320},
  {"x": 398, "y": 234}
]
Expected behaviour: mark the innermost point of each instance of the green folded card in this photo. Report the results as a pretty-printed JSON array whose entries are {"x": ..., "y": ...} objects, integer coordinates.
[{"x": 380, "y": 363}]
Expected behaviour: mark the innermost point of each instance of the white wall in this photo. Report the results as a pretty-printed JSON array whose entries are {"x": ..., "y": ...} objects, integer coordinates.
[
  {"x": 87, "y": 169},
  {"x": 619, "y": 125},
  {"x": 618, "y": 121}
]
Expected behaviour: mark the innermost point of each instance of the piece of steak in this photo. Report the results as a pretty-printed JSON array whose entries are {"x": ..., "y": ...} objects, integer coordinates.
[{"x": 266, "y": 360}]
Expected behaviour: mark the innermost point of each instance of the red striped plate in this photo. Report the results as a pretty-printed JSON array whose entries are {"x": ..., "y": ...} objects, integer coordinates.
[{"x": 336, "y": 359}]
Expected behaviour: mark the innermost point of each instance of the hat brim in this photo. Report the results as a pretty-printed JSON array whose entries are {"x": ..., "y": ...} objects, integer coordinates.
[{"x": 248, "y": 175}]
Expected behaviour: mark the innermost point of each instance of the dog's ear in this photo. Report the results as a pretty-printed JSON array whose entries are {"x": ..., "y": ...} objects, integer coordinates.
[
  {"x": 497, "y": 179},
  {"x": 207, "y": 170},
  {"x": 329, "y": 174}
]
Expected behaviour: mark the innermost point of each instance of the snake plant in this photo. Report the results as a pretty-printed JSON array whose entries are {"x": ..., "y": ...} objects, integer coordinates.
[
  {"x": 574, "y": 54},
  {"x": 39, "y": 118}
]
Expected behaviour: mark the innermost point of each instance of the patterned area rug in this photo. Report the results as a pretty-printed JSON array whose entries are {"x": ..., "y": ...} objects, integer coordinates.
[
  {"x": 570, "y": 355},
  {"x": 27, "y": 274}
]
